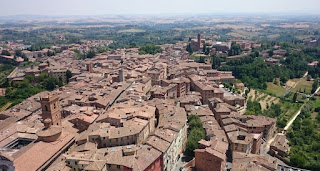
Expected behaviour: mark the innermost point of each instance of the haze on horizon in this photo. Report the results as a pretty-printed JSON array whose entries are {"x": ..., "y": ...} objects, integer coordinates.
[{"x": 156, "y": 7}]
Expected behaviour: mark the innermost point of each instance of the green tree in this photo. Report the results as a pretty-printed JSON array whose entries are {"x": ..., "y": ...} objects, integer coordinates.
[
  {"x": 294, "y": 99},
  {"x": 25, "y": 57},
  {"x": 315, "y": 85},
  {"x": 297, "y": 160},
  {"x": 214, "y": 61},
  {"x": 194, "y": 122},
  {"x": 189, "y": 49},
  {"x": 309, "y": 77},
  {"x": 281, "y": 123},
  {"x": 91, "y": 54},
  {"x": 256, "y": 54},
  {"x": 18, "y": 53},
  {"x": 68, "y": 75},
  {"x": 201, "y": 59},
  {"x": 5, "y": 52},
  {"x": 43, "y": 76},
  {"x": 235, "y": 49},
  {"x": 270, "y": 52},
  {"x": 50, "y": 83},
  {"x": 150, "y": 49},
  {"x": 30, "y": 78},
  {"x": 196, "y": 134}
]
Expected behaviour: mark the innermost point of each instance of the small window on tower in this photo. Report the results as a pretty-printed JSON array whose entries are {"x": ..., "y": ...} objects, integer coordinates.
[
  {"x": 45, "y": 108},
  {"x": 54, "y": 105}
]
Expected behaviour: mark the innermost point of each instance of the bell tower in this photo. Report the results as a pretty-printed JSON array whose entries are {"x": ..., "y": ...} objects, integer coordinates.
[{"x": 51, "y": 114}]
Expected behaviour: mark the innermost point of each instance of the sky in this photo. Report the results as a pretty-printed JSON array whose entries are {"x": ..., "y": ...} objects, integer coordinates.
[{"x": 155, "y": 7}]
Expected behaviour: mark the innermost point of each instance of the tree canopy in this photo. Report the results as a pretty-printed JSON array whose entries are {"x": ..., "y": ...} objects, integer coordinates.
[
  {"x": 235, "y": 49},
  {"x": 5, "y": 52},
  {"x": 196, "y": 133},
  {"x": 150, "y": 49}
]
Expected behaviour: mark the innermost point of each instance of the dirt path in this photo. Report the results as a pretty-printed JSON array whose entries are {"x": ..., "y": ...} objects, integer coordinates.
[
  {"x": 252, "y": 94},
  {"x": 297, "y": 114},
  {"x": 292, "y": 84}
]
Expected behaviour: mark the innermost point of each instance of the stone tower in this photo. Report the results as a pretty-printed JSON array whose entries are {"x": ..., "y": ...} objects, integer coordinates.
[
  {"x": 90, "y": 67},
  {"x": 51, "y": 114},
  {"x": 121, "y": 75}
]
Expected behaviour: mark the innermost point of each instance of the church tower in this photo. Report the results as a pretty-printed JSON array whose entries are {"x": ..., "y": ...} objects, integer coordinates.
[
  {"x": 51, "y": 114},
  {"x": 121, "y": 75}
]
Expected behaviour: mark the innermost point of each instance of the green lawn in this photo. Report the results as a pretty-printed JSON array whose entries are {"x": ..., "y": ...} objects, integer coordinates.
[
  {"x": 303, "y": 84},
  {"x": 317, "y": 103},
  {"x": 290, "y": 108},
  {"x": 275, "y": 89}
]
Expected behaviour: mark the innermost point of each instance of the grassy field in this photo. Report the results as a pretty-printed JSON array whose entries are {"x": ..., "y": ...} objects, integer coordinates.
[
  {"x": 303, "y": 84},
  {"x": 317, "y": 103},
  {"x": 275, "y": 89},
  {"x": 131, "y": 31},
  {"x": 293, "y": 85},
  {"x": 290, "y": 108}
]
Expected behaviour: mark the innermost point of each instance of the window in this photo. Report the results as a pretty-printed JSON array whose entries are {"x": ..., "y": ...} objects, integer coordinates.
[
  {"x": 118, "y": 166},
  {"x": 45, "y": 108},
  {"x": 76, "y": 163},
  {"x": 110, "y": 140},
  {"x": 109, "y": 165},
  {"x": 54, "y": 105}
]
